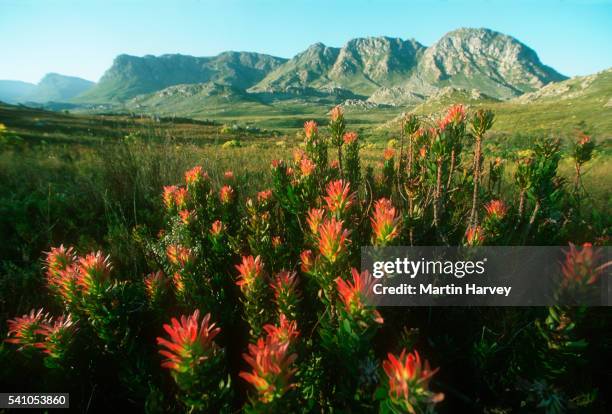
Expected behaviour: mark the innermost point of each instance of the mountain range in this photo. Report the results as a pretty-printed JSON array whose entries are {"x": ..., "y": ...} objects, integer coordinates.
[{"x": 374, "y": 71}]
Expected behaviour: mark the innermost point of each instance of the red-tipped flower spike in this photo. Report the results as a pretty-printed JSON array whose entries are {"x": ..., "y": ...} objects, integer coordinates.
[
  {"x": 496, "y": 209},
  {"x": 178, "y": 282},
  {"x": 455, "y": 116},
  {"x": 180, "y": 198},
  {"x": 58, "y": 260},
  {"x": 229, "y": 175},
  {"x": 336, "y": 113},
  {"x": 186, "y": 216},
  {"x": 307, "y": 261},
  {"x": 350, "y": 137},
  {"x": 250, "y": 270},
  {"x": 353, "y": 294},
  {"x": 277, "y": 241},
  {"x": 191, "y": 342},
  {"x": 581, "y": 266},
  {"x": 475, "y": 236},
  {"x": 286, "y": 331},
  {"x": 307, "y": 167},
  {"x": 332, "y": 239},
  {"x": 423, "y": 152},
  {"x": 285, "y": 283},
  {"x": 310, "y": 129},
  {"x": 179, "y": 255},
  {"x": 226, "y": 194},
  {"x": 314, "y": 219},
  {"x": 217, "y": 228},
  {"x": 409, "y": 381},
  {"x": 385, "y": 222},
  {"x": 93, "y": 271},
  {"x": 24, "y": 330},
  {"x": 264, "y": 196},
  {"x": 271, "y": 368},
  {"x": 389, "y": 154},
  {"x": 155, "y": 285},
  {"x": 168, "y": 196},
  {"x": 195, "y": 175},
  {"x": 339, "y": 197},
  {"x": 57, "y": 336}
]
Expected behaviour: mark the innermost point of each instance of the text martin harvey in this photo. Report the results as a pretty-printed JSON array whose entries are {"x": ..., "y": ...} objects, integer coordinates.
[{"x": 451, "y": 289}]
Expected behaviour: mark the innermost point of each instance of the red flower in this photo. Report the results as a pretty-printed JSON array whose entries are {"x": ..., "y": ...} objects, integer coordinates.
[
  {"x": 178, "y": 282},
  {"x": 24, "y": 330},
  {"x": 285, "y": 286},
  {"x": 314, "y": 219},
  {"x": 286, "y": 332},
  {"x": 155, "y": 285},
  {"x": 310, "y": 129},
  {"x": 93, "y": 271},
  {"x": 584, "y": 138},
  {"x": 581, "y": 265},
  {"x": 423, "y": 152},
  {"x": 385, "y": 222},
  {"x": 226, "y": 194},
  {"x": 336, "y": 113},
  {"x": 496, "y": 209},
  {"x": 339, "y": 197},
  {"x": 57, "y": 262},
  {"x": 409, "y": 380},
  {"x": 455, "y": 116},
  {"x": 264, "y": 196},
  {"x": 195, "y": 175},
  {"x": 180, "y": 198},
  {"x": 353, "y": 294},
  {"x": 57, "y": 335},
  {"x": 217, "y": 228},
  {"x": 332, "y": 239},
  {"x": 475, "y": 236},
  {"x": 277, "y": 242},
  {"x": 179, "y": 255},
  {"x": 191, "y": 342},
  {"x": 307, "y": 167},
  {"x": 250, "y": 270},
  {"x": 350, "y": 137},
  {"x": 169, "y": 196},
  {"x": 307, "y": 260},
  {"x": 228, "y": 175},
  {"x": 389, "y": 154},
  {"x": 186, "y": 216}
]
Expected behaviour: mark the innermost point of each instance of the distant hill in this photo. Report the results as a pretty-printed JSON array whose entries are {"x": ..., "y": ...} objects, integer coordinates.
[{"x": 53, "y": 87}]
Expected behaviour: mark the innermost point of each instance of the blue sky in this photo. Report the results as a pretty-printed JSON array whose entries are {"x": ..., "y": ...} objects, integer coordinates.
[{"x": 81, "y": 38}]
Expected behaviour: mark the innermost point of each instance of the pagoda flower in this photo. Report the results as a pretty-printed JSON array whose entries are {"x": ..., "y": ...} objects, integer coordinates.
[
  {"x": 24, "y": 330},
  {"x": 474, "y": 236},
  {"x": 226, "y": 194},
  {"x": 298, "y": 155},
  {"x": 350, "y": 138},
  {"x": 168, "y": 196},
  {"x": 581, "y": 266},
  {"x": 195, "y": 175},
  {"x": 229, "y": 175},
  {"x": 277, "y": 242},
  {"x": 354, "y": 294},
  {"x": 155, "y": 285},
  {"x": 285, "y": 332},
  {"x": 314, "y": 219},
  {"x": 180, "y": 198},
  {"x": 339, "y": 197},
  {"x": 389, "y": 154},
  {"x": 264, "y": 196},
  {"x": 286, "y": 294},
  {"x": 179, "y": 283},
  {"x": 408, "y": 382},
  {"x": 58, "y": 260},
  {"x": 332, "y": 239},
  {"x": 336, "y": 114},
  {"x": 334, "y": 165},
  {"x": 217, "y": 228},
  {"x": 191, "y": 342},
  {"x": 56, "y": 336},
  {"x": 496, "y": 209},
  {"x": 271, "y": 368},
  {"x": 307, "y": 167},
  {"x": 423, "y": 152},
  {"x": 250, "y": 270},
  {"x": 186, "y": 216},
  {"x": 179, "y": 255},
  {"x": 386, "y": 222},
  {"x": 310, "y": 130},
  {"x": 306, "y": 261},
  {"x": 454, "y": 116},
  {"x": 93, "y": 272}
]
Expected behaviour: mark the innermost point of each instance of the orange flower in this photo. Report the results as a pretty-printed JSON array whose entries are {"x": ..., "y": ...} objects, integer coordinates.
[
  {"x": 409, "y": 380},
  {"x": 178, "y": 282},
  {"x": 57, "y": 336},
  {"x": 334, "y": 165},
  {"x": 475, "y": 236},
  {"x": 169, "y": 196},
  {"x": 179, "y": 255},
  {"x": 250, "y": 270},
  {"x": 195, "y": 175},
  {"x": 350, "y": 137},
  {"x": 186, "y": 216},
  {"x": 264, "y": 196},
  {"x": 307, "y": 261},
  {"x": 93, "y": 271},
  {"x": 314, "y": 219},
  {"x": 496, "y": 209},
  {"x": 336, "y": 113},
  {"x": 385, "y": 222},
  {"x": 354, "y": 294},
  {"x": 307, "y": 167},
  {"x": 339, "y": 197},
  {"x": 389, "y": 154},
  {"x": 298, "y": 155},
  {"x": 57, "y": 262},
  {"x": 584, "y": 138},
  {"x": 284, "y": 285},
  {"x": 216, "y": 228},
  {"x": 180, "y": 198},
  {"x": 226, "y": 194},
  {"x": 155, "y": 284},
  {"x": 581, "y": 265},
  {"x": 228, "y": 175},
  {"x": 286, "y": 331},
  {"x": 191, "y": 342},
  {"x": 455, "y": 116},
  {"x": 277, "y": 242},
  {"x": 24, "y": 330},
  {"x": 423, "y": 151},
  {"x": 332, "y": 239},
  {"x": 310, "y": 129}
]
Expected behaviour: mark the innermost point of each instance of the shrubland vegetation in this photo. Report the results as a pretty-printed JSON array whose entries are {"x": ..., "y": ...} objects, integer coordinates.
[{"x": 157, "y": 266}]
